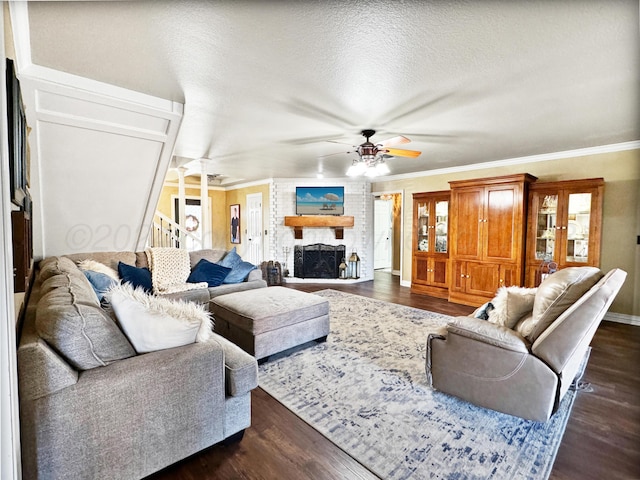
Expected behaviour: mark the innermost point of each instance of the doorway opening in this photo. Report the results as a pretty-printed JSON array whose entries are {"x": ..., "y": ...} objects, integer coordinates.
[{"x": 387, "y": 227}]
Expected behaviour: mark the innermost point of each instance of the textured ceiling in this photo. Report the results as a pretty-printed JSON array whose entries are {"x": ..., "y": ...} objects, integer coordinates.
[{"x": 269, "y": 86}]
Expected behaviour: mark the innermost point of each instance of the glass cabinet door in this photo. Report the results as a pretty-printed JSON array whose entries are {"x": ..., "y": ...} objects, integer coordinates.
[
  {"x": 441, "y": 226},
  {"x": 424, "y": 215},
  {"x": 578, "y": 225},
  {"x": 545, "y": 225}
]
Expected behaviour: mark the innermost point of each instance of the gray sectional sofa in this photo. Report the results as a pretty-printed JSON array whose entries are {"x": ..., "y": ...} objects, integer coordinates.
[{"x": 91, "y": 408}]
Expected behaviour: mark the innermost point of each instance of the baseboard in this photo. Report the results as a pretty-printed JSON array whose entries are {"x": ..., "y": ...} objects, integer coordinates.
[
  {"x": 622, "y": 318},
  {"x": 395, "y": 272}
]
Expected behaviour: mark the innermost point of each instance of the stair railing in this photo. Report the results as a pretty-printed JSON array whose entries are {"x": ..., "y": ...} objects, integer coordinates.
[{"x": 167, "y": 233}]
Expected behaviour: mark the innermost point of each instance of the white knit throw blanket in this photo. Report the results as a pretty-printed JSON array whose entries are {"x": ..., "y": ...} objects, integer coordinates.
[{"x": 170, "y": 268}]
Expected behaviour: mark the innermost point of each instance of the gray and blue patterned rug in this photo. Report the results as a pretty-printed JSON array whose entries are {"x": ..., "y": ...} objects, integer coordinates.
[{"x": 365, "y": 389}]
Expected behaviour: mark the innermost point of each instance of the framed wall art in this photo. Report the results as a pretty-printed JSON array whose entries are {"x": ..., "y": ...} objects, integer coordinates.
[
  {"x": 17, "y": 127},
  {"x": 234, "y": 214}
]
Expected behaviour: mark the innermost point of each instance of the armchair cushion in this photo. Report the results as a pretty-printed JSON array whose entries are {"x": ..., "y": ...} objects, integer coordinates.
[{"x": 558, "y": 292}]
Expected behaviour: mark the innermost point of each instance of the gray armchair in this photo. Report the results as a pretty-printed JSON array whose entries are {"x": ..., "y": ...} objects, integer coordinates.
[{"x": 526, "y": 370}]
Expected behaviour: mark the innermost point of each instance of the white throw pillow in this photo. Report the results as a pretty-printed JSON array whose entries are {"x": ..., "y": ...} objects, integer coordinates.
[
  {"x": 98, "y": 267},
  {"x": 511, "y": 304},
  {"x": 153, "y": 323}
]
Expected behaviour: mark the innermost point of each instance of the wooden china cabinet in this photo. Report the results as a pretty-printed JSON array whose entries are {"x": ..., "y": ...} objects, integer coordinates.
[
  {"x": 487, "y": 236},
  {"x": 564, "y": 226},
  {"x": 430, "y": 269}
]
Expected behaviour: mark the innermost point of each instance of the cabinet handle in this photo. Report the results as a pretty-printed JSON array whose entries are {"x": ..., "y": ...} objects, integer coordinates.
[{"x": 501, "y": 280}]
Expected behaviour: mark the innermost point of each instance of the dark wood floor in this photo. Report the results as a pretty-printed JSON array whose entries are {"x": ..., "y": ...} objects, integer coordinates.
[{"x": 601, "y": 441}]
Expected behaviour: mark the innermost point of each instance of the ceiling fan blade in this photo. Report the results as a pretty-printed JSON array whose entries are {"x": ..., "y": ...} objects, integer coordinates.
[
  {"x": 399, "y": 140},
  {"x": 397, "y": 152},
  {"x": 332, "y": 154}
]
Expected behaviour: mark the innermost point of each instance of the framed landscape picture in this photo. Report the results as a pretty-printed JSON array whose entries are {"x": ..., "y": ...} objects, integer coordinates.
[{"x": 234, "y": 211}]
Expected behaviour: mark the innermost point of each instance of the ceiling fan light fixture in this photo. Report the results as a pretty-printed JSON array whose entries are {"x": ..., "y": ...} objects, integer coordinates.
[
  {"x": 377, "y": 169},
  {"x": 357, "y": 168},
  {"x": 382, "y": 168}
]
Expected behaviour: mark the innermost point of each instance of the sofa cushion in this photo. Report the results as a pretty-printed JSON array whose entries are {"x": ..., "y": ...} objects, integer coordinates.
[
  {"x": 154, "y": 323},
  {"x": 212, "y": 273},
  {"x": 83, "y": 334},
  {"x": 52, "y": 266},
  {"x": 558, "y": 292},
  {"x": 511, "y": 304},
  {"x": 72, "y": 287},
  {"x": 211, "y": 255},
  {"x": 138, "y": 277},
  {"x": 110, "y": 259}
]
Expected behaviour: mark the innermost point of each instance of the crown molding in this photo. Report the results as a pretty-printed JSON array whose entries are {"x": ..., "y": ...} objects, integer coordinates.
[
  {"x": 194, "y": 186},
  {"x": 544, "y": 157}
]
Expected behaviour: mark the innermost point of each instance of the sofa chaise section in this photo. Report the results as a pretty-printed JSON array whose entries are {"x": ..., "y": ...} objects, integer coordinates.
[{"x": 132, "y": 416}]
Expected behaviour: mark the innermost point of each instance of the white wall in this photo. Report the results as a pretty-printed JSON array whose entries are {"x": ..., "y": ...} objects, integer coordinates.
[
  {"x": 9, "y": 419},
  {"x": 357, "y": 203},
  {"x": 99, "y": 155},
  {"x": 98, "y": 161}
]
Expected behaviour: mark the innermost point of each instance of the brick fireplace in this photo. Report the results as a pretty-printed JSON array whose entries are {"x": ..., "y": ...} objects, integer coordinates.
[{"x": 317, "y": 260}]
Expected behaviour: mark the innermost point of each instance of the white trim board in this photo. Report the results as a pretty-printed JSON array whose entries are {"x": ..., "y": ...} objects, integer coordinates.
[{"x": 580, "y": 152}]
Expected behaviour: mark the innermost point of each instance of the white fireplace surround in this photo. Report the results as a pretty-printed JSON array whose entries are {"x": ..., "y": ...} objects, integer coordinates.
[{"x": 357, "y": 203}]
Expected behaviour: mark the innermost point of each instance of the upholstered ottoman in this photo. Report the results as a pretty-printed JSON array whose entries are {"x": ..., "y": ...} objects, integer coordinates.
[{"x": 269, "y": 320}]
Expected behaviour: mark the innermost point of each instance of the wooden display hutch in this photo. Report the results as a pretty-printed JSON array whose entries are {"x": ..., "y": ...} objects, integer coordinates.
[
  {"x": 430, "y": 264},
  {"x": 564, "y": 225},
  {"x": 487, "y": 235}
]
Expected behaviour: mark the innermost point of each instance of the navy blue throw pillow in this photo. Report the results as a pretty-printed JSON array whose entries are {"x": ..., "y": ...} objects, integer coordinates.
[
  {"x": 138, "y": 277},
  {"x": 206, "y": 271}
]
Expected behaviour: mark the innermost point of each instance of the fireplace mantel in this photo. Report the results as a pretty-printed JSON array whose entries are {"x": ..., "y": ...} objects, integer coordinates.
[{"x": 337, "y": 222}]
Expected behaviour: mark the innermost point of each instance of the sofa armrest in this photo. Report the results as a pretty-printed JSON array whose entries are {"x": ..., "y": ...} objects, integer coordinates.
[
  {"x": 241, "y": 369},
  {"x": 255, "y": 274},
  {"x": 484, "y": 331},
  {"x": 150, "y": 410}
]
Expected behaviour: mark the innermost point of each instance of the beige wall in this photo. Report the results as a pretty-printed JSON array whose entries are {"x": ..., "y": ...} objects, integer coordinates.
[
  {"x": 219, "y": 213},
  {"x": 239, "y": 196},
  {"x": 621, "y": 213}
]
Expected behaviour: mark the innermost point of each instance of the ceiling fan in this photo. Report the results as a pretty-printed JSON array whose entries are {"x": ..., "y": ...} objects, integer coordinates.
[{"x": 371, "y": 161}]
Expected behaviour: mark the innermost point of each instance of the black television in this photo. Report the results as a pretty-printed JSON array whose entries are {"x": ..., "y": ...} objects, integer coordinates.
[{"x": 319, "y": 200}]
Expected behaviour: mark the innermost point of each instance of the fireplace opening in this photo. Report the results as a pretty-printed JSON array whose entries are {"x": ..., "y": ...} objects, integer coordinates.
[{"x": 317, "y": 260}]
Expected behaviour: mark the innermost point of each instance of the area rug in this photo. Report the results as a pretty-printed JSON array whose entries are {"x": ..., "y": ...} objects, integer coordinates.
[{"x": 365, "y": 389}]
